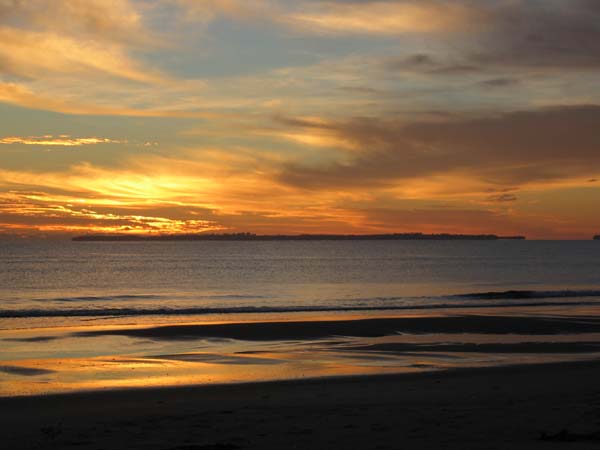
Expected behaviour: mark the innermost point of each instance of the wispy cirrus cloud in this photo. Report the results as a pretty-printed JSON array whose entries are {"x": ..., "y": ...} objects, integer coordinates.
[
  {"x": 381, "y": 17},
  {"x": 52, "y": 51},
  {"x": 378, "y": 17},
  {"x": 35, "y": 54},
  {"x": 114, "y": 20},
  {"x": 72, "y": 37}
]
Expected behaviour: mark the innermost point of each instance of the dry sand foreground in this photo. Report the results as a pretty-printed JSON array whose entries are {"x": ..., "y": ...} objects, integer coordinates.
[
  {"x": 545, "y": 407},
  {"x": 528, "y": 407}
]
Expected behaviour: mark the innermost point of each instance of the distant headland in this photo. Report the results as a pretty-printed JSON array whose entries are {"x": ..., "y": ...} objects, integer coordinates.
[
  {"x": 294, "y": 237},
  {"x": 597, "y": 237}
]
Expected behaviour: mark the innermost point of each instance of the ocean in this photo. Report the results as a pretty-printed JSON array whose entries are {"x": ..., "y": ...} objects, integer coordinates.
[{"x": 91, "y": 315}]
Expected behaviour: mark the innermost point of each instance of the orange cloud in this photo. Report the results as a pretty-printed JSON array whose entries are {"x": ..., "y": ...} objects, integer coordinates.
[
  {"x": 225, "y": 192},
  {"x": 62, "y": 140},
  {"x": 371, "y": 17},
  {"x": 32, "y": 54},
  {"x": 114, "y": 20},
  {"x": 382, "y": 17},
  {"x": 17, "y": 94},
  {"x": 52, "y": 63}
]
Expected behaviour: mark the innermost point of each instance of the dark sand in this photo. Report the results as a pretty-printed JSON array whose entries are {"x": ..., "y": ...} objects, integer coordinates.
[
  {"x": 521, "y": 407},
  {"x": 265, "y": 331},
  {"x": 519, "y": 347}
]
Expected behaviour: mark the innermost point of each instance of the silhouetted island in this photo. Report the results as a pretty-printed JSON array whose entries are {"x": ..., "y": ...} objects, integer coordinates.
[
  {"x": 597, "y": 237},
  {"x": 294, "y": 237}
]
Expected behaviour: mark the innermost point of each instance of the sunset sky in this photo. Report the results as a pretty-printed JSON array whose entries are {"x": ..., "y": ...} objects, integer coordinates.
[{"x": 300, "y": 116}]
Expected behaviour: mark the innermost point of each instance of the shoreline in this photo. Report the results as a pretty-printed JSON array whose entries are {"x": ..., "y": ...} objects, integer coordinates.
[
  {"x": 76, "y": 360},
  {"x": 467, "y": 408},
  {"x": 449, "y": 372}
]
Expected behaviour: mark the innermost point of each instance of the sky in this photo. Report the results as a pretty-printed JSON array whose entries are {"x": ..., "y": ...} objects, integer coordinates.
[{"x": 300, "y": 116}]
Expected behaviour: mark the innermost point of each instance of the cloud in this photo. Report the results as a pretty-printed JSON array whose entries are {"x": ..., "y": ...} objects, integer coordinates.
[
  {"x": 502, "y": 198},
  {"x": 381, "y": 17},
  {"x": 108, "y": 20},
  {"x": 308, "y": 131},
  {"x": 526, "y": 147},
  {"x": 517, "y": 34},
  {"x": 56, "y": 99},
  {"x": 34, "y": 54},
  {"x": 500, "y": 82},
  {"x": 62, "y": 140},
  {"x": 477, "y": 34},
  {"x": 387, "y": 102},
  {"x": 563, "y": 34},
  {"x": 226, "y": 190},
  {"x": 44, "y": 217},
  {"x": 498, "y": 40},
  {"x": 51, "y": 50},
  {"x": 430, "y": 64},
  {"x": 87, "y": 198},
  {"x": 160, "y": 195}
]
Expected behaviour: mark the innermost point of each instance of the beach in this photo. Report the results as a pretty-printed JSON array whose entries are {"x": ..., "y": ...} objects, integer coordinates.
[
  {"x": 455, "y": 381},
  {"x": 44, "y": 361},
  {"x": 242, "y": 345},
  {"x": 537, "y": 406}
]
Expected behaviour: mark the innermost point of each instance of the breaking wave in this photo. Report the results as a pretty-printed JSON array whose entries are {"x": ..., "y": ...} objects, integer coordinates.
[{"x": 463, "y": 301}]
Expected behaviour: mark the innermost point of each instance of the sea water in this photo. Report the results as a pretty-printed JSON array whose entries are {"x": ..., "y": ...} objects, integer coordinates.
[{"x": 52, "y": 290}]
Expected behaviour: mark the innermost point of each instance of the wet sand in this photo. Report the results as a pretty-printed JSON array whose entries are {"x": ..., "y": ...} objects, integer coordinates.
[
  {"x": 520, "y": 407},
  {"x": 290, "y": 330}
]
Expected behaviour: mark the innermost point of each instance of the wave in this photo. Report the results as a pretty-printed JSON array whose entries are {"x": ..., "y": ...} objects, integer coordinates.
[
  {"x": 95, "y": 298},
  {"x": 527, "y": 294},
  {"x": 500, "y": 299},
  {"x": 122, "y": 312},
  {"x": 108, "y": 298},
  {"x": 492, "y": 295}
]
